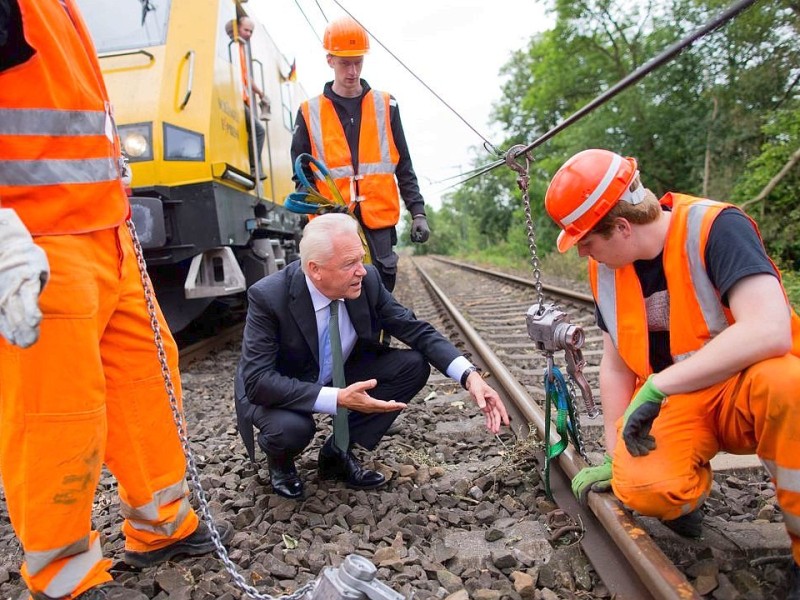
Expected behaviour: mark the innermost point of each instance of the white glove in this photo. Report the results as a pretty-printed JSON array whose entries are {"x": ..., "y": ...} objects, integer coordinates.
[
  {"x": 23, "y": 273},
  {"x": 125, "y": 170}
]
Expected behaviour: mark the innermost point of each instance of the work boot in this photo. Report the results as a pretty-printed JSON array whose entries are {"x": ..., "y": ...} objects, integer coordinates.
[
  {"x": 794, "y": 582},
  {"x": 689, "y": 525},
  {"x": 110, "y": 590},
  {"x": 200, "y": 542}
]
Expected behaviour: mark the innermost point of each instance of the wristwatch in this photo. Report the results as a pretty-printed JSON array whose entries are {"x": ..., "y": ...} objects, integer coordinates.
[{"x": 465, "y": 375}]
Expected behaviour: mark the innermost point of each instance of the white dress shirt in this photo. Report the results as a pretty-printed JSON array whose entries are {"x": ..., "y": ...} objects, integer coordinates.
[{"x": 326, "y": 400}]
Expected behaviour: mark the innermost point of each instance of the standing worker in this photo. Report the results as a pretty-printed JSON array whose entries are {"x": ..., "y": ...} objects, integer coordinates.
[
  {"x": 356, "y": 131},
  {"x": 90, "y": 390},
  {"x": 700, "y": 345}
]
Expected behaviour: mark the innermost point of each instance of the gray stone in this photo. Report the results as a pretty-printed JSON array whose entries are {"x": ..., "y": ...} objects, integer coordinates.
[
  {"x": 449, "y": 581},
  {"x": 473, "y": 550}
]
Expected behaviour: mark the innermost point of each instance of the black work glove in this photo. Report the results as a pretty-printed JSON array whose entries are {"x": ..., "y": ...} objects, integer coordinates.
[
  {"x": 638, "y": 419},
  {"x": 419, "y": 229}
]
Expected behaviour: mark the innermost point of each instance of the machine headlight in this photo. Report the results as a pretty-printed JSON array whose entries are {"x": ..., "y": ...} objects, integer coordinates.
[
  {"x": 183, "y": 144},
  {"x": 137, "y": 141}
]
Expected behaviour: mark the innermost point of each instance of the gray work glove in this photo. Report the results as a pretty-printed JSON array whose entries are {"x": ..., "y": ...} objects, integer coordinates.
[
  {"x": 23, "y": 273},
  {"x": 419, "y": 229}
]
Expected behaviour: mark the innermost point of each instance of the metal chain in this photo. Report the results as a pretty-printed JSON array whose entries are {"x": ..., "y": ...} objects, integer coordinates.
[
  {"x": 180, "y": 424},
  {"x": 523, "y": 180},
  {"x": 571, "y": 398}
]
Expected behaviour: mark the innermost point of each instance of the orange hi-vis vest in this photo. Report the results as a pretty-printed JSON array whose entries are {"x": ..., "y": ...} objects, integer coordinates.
[
  {"x": 59, "y": 150},
  {"x": 374, "y": 186},
  {"x": 245, "y": 78},
  {"x": 696, "y": 312}
]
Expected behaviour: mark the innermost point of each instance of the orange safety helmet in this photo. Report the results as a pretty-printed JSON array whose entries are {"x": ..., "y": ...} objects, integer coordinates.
[
  {"x": 345, "y": 37},
  {"x": 585, "y": 188}
]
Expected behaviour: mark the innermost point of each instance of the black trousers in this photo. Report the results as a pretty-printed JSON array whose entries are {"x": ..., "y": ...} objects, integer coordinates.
[
  {"x": 381, "y": 248},
  {"x": 401, "y": 374}
]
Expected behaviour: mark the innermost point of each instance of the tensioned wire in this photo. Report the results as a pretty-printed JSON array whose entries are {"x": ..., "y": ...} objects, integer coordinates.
[{"x": 632, "y": 78}]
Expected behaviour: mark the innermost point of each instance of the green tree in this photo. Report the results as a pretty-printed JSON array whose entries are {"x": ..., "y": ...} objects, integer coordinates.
[{"x": 693, "y": 124}]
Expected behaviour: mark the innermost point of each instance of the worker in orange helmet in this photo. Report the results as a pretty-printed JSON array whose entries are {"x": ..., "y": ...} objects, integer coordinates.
[
  {"x": 356, "y": 131},
  {"x": 82, "y": 382},
  {"x": 700, "y": 345}
]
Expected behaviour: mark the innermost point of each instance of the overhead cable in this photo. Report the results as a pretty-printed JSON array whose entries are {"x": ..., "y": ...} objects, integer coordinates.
[
  {"x": 305, "y": 16},
  {"x": 626, "y": 82},
  {"x": 427, "y": 87},
  {"x": 645, "y": 69}
]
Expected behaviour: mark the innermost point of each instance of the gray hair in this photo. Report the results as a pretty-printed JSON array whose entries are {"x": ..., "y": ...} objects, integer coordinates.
[{"x": 318, "y": 236}]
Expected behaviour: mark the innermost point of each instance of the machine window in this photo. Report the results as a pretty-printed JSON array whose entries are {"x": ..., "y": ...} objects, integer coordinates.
[
  {"x": 286, "y": 102},
  {"x": 126, "y": 24}
]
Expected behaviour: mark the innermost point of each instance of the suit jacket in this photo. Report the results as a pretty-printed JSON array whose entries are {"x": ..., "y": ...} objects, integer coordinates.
[{"x": 280, "y": 350}]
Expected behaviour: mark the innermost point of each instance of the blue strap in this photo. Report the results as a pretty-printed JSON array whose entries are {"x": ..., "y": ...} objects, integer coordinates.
[
  {"x": 556, "y": 393},
  {"x": 301, "y": 175}
]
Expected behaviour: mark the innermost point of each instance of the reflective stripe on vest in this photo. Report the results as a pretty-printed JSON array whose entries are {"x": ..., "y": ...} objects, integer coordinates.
[
  {"x": 58, "y": 147},
  {"x": 384, "y": 167},
  {"x": 42, "y": 121},
  {"x": 53, "y": 171},
  {"x": 607, "y": 297},
  {"x": 377, "y": 160},
  {"x": 707, "y": 297}
]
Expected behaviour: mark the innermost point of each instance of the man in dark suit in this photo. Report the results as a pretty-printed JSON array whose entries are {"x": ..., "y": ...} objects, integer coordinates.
[{"x": 284, "y": 377}]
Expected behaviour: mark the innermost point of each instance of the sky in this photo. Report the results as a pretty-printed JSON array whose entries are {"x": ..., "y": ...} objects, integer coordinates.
[{"x": 456, "y": 47}]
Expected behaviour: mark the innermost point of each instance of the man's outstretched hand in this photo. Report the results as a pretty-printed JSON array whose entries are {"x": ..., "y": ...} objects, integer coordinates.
[
  {"x": 488, "y": 401},
  {"x": 355, "y": 397}
]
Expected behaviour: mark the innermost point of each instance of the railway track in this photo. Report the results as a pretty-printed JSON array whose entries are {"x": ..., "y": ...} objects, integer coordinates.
[
  {"x": 625, "y": 556},
  {"x": 463, "y": 515},
  {"x": 199, "y": 350}
]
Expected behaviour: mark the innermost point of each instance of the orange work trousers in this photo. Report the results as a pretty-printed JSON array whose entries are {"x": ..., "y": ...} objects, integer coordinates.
[
  {"x": 756, "y": 411},
  {"x": 90, "y": 392}
]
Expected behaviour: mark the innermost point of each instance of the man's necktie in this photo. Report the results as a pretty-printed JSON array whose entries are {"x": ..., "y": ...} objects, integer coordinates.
[{"x": 341, "y": 425}]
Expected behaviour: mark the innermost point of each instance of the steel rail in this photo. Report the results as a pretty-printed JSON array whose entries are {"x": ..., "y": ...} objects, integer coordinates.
[
  {"x": 558, "y": 291},
  {"x": 658, "y": 574},
  {"x": 194, "y": 352}
]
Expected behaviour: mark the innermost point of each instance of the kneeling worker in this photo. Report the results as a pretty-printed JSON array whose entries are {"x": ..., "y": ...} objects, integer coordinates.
[
  {"x": 289, "y": 358},
  {"x": 700, "y": 346}
]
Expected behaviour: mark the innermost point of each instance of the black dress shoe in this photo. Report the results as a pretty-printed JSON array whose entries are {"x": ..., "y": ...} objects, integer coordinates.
[
  {"x": 283, "y": 477},
  {"x": 345, "y": 467}
]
